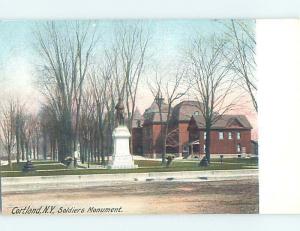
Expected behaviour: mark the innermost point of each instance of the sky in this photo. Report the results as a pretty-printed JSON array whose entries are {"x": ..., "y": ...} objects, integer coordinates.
[{"x": 169, "y": 38}]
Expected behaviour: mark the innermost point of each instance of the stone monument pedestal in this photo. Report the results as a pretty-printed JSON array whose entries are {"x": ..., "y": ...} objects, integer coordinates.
[{"x": 121, "y": 159}]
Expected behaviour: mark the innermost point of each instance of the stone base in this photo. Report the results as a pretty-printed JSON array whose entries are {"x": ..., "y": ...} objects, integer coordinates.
[
  {"x": 121, "y": 159},
  {"x": 121, "y": 166},
  {"x": 78, "y": 162}
]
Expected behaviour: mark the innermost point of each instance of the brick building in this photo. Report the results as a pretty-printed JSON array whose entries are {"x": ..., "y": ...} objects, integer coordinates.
[
  {"x": 137, "y": 133},
  {"x": 231, "y": 135}
]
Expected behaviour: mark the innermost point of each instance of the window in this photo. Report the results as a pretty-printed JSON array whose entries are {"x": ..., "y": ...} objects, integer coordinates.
[
  {"x": 238, "y": 148},
  {"x": 238, "y": 135},
  {"x": 196, "y": 113},
  {"x": 229, "y": 136},
  {"x": 221, "y": 135},
  {"x": 204, "y": 135}
]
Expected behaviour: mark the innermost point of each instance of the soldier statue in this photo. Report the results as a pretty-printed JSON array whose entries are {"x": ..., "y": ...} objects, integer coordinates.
[{"x": 120, "y": 112}]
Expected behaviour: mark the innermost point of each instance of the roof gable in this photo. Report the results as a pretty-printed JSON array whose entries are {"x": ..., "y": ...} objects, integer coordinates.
[
  {"x": 234, "y": 123},
  {"x": 224, "y": 122}
]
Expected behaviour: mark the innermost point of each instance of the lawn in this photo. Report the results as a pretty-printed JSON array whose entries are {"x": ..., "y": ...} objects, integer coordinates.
[
  {"x": 247, "y": 161},
  {"x": 144, "y": 167},
  {"x": 38, "y": 165}
]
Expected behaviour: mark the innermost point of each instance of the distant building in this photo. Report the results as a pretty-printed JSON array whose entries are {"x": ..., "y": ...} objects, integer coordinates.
[
  {"x": 230, "y": 135},
  {"x": 137, "y": 133}
]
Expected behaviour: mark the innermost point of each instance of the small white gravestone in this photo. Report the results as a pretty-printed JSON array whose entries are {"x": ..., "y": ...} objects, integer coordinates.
[{"x": 121, "y": 159}]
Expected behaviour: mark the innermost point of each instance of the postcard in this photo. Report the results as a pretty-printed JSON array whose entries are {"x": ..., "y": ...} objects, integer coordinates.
[{"x": 115, "y": 117}]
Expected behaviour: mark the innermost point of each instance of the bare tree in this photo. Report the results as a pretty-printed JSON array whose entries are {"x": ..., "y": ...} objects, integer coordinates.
[
  {"x": 29, "y": 127},
  {"x": 100, "y": 80},
  {"x": 88, "y": 127},
  {"x": 19, "y": 130},
  {"x": 7, "y": 128},
  {"x": 128, "y": 59},
  {"x": 242, "y": 40},
  {"x": 65, "y": 49},
  {"x": 49, "y": 129},
  {"x": 214, "y": 85},
  {"x": 173, "y": 89}
]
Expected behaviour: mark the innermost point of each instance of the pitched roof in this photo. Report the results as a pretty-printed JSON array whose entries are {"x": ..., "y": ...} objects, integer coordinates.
[
  {"x": 152, "y": 115},
  {"x": 185, "y": 110},
  {"x": 225, "y": 121},
  {"x": 154, "y": 108},
  {"x": 155, "y": 118}
]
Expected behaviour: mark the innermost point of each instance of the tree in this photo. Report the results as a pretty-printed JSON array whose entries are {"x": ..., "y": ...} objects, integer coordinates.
[
  {"x": 213, "y": 83},
  {"x": 31, "y": 136},
  {"x": 19, "y": 130},
  {"x": 242, "y": 42},
  {"x": 100, "y": 80},
  {"x": 173, "y": 89},
  {"x": 128, "y": 58},
  {"x": 7, "y": 128},
  {"x": 48, "y": 123},
  {"x": 65, "y": 49}
]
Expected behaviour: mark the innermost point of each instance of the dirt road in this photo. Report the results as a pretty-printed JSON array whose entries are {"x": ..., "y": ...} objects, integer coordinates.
[{"x": 239, "y": 196}]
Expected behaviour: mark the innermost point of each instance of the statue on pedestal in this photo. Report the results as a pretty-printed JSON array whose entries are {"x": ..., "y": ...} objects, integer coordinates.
[
  {"x": 121, "y": 158},
  {"x": 120, "y": 112}
]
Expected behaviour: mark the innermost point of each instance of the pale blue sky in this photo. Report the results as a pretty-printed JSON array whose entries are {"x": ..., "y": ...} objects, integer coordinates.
[
  {"x": 169, "y": 37},
  {"x": 168, "y": 40}
]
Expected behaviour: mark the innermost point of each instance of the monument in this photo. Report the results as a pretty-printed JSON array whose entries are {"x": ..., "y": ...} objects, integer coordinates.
[
  {"x": 121, "y": 158},
  {"x": 77, "y": 156}
]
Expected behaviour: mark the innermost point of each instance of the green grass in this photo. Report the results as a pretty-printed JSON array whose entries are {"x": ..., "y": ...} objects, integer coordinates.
[
  {"x": 44, "y": 161},
  {"x": 38, "y": 165},
  {"x": 148, "y": 163},
  {"x": 144, "y": 167},
  {"x": 246, "y": 161},
  {"x": 112, "y": 171}
]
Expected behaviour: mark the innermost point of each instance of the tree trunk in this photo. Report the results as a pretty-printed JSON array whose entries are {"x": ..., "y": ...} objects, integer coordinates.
[
  {"x": 207, "y": 144},
  {"x": 163, "y": 157},
  {"x": 22, "y": 148},
  {"x": 45, "y": 145},
  {"x": 102, "y": 149},
  {"x": 27, "y": 150},
  {"x": 37, "y": 147},
  {"x": 18, "y": 145},
  {"x": 9, "y": 156},
  {"x": 34, "y": 153}
]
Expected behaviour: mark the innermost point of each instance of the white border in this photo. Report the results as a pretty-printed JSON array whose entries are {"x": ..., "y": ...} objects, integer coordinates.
[
  {"x": 41, "y": 9},
  {"x": 45, "y": 9}
]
